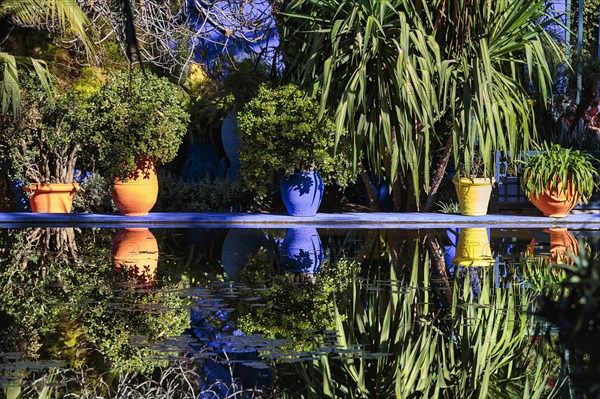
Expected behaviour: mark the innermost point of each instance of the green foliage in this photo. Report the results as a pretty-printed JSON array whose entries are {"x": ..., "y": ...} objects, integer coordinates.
[
  {"x": 392, "y": 343},
  {"x": 94, "y": 196},
  {"x": 298, "y": 310},
  {"x": 404, "y": 76},
  {"x": 63, "y": 14},
  {"x": 47, "y": 274},
  {"x": 574, "y": 312},
  {"x": 134, "y": 115},
  {"x": 44, "y": 142},
  {"x": 280, "y": 129},
  {"x": 554, "y": 166},
  {"x": 177, "y": 195}
]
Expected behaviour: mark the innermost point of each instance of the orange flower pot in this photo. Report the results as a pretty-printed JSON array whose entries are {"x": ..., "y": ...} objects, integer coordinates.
[
  {"x": 137, "y": 195},
  {"x": 135, "y": 250},
  {"x": 556, "y": 203},
  {"x": 562, "y": 243},
  {"x": 52, "y": 197}
]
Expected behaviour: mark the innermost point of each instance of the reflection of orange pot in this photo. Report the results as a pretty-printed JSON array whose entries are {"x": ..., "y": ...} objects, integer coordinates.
[
  {"x": 556, "y": 203},
  {"x": 52, "y": 197},
  {"x": 562, "y": 243},
  {"x": 136, "y": 250},
  {"x": 137, "y": 195}
]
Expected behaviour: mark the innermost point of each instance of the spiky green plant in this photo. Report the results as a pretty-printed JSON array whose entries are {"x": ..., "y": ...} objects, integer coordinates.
[
  {"x": 554, "y": 166},
  {"x": 66, "y": 13},
  {"x": 394, "y": 342},
  {"x": 406, "y": 79}
]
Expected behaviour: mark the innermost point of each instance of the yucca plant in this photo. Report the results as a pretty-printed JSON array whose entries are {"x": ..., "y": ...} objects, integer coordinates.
[{"x": 410, "y": 79}]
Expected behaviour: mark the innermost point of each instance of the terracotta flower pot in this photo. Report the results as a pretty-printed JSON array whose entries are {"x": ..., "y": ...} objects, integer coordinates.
[
  {"x": 52, "y": 197},
  {"x": 136, "y": 251},
  {"x": 473, "y": 195},
  {"x": 137, "y": 195},
  {"x": 556, "y": 203}
]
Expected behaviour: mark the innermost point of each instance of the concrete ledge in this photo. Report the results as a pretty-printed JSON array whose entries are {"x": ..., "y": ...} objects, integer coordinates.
[{"x": 323, "y": 220}]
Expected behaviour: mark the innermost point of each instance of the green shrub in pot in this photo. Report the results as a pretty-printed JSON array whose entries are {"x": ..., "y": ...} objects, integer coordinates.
[
  {"x": 280, "y": 131},
  {"x": 135, "y": 115}
]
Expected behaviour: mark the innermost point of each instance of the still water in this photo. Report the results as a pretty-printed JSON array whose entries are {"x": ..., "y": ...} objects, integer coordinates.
[{"x": 299, "y": 313}]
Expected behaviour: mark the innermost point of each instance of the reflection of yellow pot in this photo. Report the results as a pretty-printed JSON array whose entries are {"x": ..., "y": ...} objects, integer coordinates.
[
  {"x": 473, "y": 248},
  {"x": 473, "y": 195},
  {"x": 136, "y": 251}
]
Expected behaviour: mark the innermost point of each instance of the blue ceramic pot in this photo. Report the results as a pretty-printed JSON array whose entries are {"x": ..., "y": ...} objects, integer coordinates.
[
  {"x": 302, "y": 193},
  {"x": 301, "y": 251}
]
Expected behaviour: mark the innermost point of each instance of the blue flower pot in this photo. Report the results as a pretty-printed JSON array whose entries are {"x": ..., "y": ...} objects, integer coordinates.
[
  {"x": 302, "y": 193},
  {"x": 301, "y": 251}
]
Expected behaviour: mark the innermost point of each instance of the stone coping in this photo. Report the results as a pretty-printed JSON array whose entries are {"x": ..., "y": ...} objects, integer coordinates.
[{"x": 379, "y": 220}]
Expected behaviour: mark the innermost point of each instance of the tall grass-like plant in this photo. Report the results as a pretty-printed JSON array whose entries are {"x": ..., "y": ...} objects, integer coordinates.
[
  {"x": 408, "y": 79},
  {"x": 394, "y": 342}
]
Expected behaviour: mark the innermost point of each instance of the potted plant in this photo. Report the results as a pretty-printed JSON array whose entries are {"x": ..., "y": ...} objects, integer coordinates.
[
  {"x": 280, "y": 130},
  {"x": 42, "y": 147},
  {"x": 473, "y": 184},
  {"x": 137, "y": 122},
  {"x": 556, "y": 179}
]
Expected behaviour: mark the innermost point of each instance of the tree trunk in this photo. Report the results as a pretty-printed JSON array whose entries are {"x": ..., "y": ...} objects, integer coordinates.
[{"x": 439, "y": 175}]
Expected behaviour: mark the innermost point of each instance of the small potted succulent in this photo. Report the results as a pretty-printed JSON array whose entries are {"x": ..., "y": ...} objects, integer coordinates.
[
  {"x": 556, "y": 179},
  {"x": 42, "y": 147},
  {"x": 280, "y": 130},
  {"x": 136, "y": 122}
]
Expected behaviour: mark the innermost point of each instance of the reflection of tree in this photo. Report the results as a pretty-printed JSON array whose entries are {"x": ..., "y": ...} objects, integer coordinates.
[
  {"x": 178, "y": 380},
  {"x": 293, "y": 307},
  {"x": 395, "y": 341},
  {"x": 573, "y": 306},
  {"x": 58, "y": 303}
]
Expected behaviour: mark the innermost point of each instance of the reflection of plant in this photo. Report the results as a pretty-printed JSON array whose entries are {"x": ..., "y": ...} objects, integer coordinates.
[
  {"x": 42, "y": 275},
  {"x": 575, "y": 312},
  {"x": 293, "y": 309},
  {"x": 177, "y": 380},
  {"x": 395, "y": 345}
]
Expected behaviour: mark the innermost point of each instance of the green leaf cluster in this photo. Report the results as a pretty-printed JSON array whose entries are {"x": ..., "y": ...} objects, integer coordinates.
[
  {"x": 403, "y": 77},
  {"x": 281, "y": 129},
  {"x": 555, "y": 167},
  {"x": 134, "y": 115},
  {"x": 44, "y": 142}
]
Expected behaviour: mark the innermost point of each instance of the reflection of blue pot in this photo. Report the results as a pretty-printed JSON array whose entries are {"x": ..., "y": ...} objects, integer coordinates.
[
  {"x": 302, "y": 193},
  {"x": 301, "y": 251},
  {"x": 21, "y": 198}
]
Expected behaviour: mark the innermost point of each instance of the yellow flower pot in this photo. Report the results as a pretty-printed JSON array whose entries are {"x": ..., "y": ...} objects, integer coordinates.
[
  {"x": 473, "y": 248},
  {"x": 473, "y": 195}
]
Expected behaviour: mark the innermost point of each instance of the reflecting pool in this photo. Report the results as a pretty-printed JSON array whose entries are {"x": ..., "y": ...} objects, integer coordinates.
[{"x": 299, "y": 313}]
